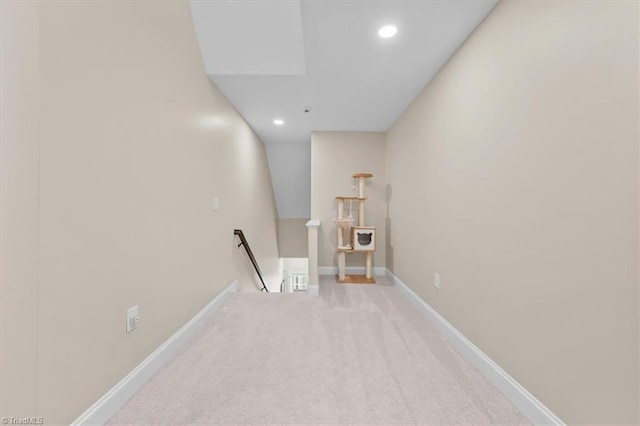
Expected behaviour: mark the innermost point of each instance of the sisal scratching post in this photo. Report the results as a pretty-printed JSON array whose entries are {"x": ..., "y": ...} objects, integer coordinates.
[
  {"x": 342, "y": 266},
  {"x": 361, "y": 185},
  {"x": 340, "y": 227},
  {"x": 342, "y": 223},
  {"x": 341, "y": 254},
  {"x": 362, "y": 199}
]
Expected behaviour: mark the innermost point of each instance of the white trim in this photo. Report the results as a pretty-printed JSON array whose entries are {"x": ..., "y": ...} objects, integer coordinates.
[
  {"x": 533, "y": 409},
  {"x": 333, "y": 270},
  {"x": 100, "y": 412},
  {"x": 313, "y": 224},
  {"x": 327, "y": 270}
]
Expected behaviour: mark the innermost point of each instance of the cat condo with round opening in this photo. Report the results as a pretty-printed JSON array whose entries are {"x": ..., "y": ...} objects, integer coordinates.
[{"x": 355, "y": 238}]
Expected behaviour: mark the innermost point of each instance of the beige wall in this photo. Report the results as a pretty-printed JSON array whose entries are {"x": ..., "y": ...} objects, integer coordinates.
[
  {"x": 638, "y": 290},
  {"x": 18, "y": 208},
  {"x": 133, "y": 143},
  {"x": 293, "y": 238},
  {"x": 335, "y": 157},
  {"x": 514, "y": 175}
]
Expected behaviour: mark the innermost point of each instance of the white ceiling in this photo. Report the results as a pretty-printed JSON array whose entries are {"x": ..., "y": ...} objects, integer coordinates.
[
  {"x": 250, "y": 37},
  {"x": 273, "y": 58}
]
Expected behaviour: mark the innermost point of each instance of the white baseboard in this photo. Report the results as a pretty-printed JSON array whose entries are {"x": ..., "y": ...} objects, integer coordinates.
[
  {"x": 100, "y": 412},
  {"x": 313, "y": 290},
  {"x": 333, "y": 270},
  {"x": 533, "y": 409}
]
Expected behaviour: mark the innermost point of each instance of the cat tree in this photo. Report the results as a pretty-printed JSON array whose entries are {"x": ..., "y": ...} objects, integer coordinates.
[{"x": 360, "y": 238}]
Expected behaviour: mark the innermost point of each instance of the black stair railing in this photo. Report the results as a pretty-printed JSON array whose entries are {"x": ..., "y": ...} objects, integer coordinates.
[{"x": 247, "y": 248}]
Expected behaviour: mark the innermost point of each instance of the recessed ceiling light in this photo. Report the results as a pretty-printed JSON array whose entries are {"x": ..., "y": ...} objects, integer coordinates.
[
  {"x": 278, "y": 122},
  {"x": 387, "y": 31}
]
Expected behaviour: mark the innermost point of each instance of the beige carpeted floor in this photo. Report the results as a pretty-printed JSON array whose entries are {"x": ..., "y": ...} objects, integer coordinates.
[{"x": 357, "y": 354}]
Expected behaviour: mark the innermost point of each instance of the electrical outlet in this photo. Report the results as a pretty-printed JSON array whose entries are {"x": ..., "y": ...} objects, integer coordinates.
[
  {"x": 215, "y": 205},
  {"x": 133, "y": 318},
  {"x": 436, "y": 280}
]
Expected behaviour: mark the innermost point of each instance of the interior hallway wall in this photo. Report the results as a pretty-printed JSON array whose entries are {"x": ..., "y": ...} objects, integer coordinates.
[
  {"x": 293, "y": 238},
  {"x": 18, "y": 207},
  {"x": 290, "y": 165},
  {"x": 335, "y": 157},
  {"x": 514, "y": 175},
  {"x": 119, "y": 155}
]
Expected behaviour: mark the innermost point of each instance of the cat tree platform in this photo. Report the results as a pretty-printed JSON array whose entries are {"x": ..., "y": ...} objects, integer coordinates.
[{"x": 355, "y": 279}]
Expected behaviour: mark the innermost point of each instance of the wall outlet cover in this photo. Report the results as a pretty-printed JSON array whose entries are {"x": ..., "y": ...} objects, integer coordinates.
[{"x": 133, "y": 318}]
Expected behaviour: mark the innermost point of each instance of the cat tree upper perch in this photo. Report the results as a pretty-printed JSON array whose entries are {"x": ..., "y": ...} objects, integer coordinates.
[{"x": 360, "y": 238}]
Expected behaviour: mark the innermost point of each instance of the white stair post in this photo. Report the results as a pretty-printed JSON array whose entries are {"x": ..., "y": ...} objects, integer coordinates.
[{"x": 314, "y": 280}]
